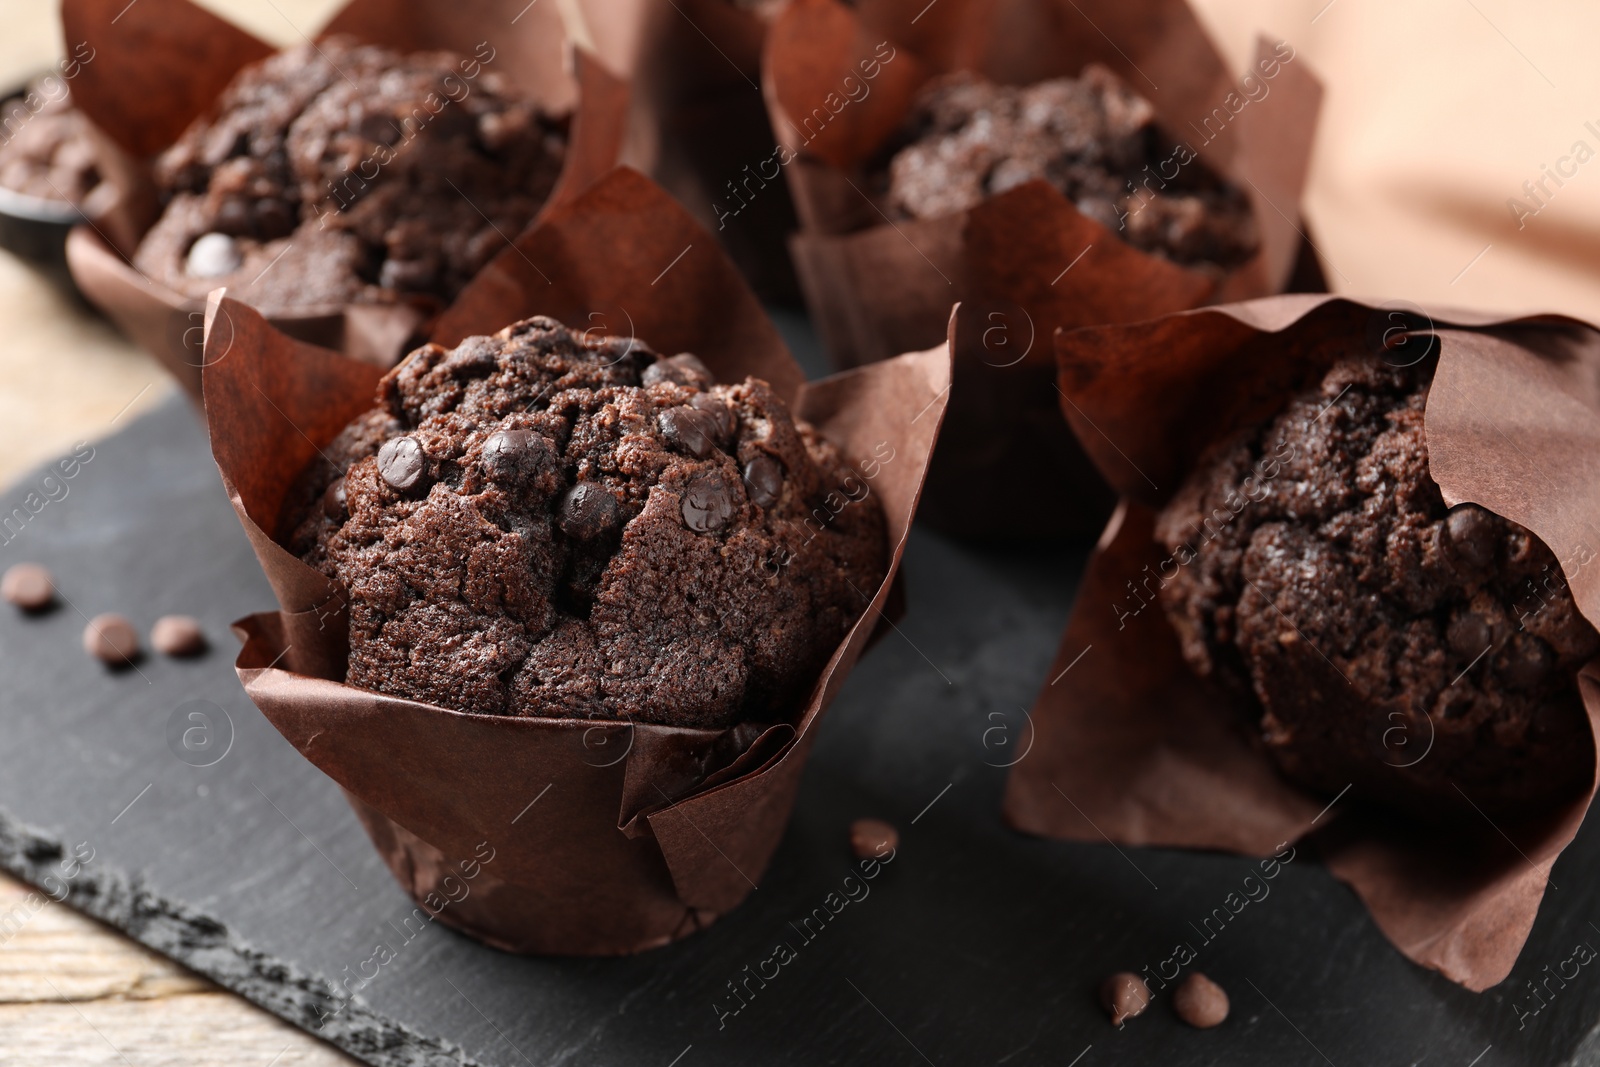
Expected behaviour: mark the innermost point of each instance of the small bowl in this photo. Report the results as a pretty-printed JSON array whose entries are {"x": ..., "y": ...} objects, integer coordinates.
[{"x": 35, "y": 228}]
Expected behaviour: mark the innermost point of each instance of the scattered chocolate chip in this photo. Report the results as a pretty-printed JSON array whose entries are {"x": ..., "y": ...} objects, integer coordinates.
[
  {"x": 688, "y": 430},
  {"x": 335, "y": 505},
  {"x": 763, "y": 480},
  {"x": 683, "y": 369},
  {"x": 1469, "y": 634},
  {"x": 28, "y": 586},
  {"x": 212, "y": 256},
  {"x": 873, "y": 838},
  {"x": 401, "y": 461},
  {"x": 589, "y": 512},
  {"x": 707, "y": 505},
  {"x": 515, "y": 455},
  {"x": 1472, "y": 532},
  {"x": 722, "y": 415},
  {"x": 1200, "y": 1002},
  {"x": 177, "y": 635},
  {"x": 111, "y": 639},
  {"x": 1124, "y": 996}
]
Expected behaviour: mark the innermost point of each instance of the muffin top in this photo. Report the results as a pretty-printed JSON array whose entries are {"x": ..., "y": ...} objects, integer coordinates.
[
  {"x": 1092, "y": 138},
  {"x": 1425, "y": 653},
  {"x": 543, "y": 523},
  {"x": 342, "y": 173},
  {"x": 46, "y": 152}
]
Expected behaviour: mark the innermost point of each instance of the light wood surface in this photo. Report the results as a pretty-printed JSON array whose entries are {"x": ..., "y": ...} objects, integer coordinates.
[{"x": 1436, "y": 114}]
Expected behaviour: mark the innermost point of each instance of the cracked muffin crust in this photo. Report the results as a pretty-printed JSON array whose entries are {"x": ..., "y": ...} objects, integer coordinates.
[
  {"x": 1092, "y": 138},
  {"x": 529, "y": 524},
  {"x": 1426, "y": 654},
  {"x": 346, "y": 173}
]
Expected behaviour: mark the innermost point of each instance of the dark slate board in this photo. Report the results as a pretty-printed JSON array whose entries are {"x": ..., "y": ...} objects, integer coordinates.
[{"x": 975, "y": 945}]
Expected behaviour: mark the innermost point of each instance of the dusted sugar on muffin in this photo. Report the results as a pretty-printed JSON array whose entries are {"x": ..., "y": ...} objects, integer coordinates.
[
  {"x": 1092, "y": 138},
  {"x": 342, "y": 173},
  {"x": 44, "y": 145},
  {"x": 528, "y": 524},
  {"x": 1426, "y": 654}
]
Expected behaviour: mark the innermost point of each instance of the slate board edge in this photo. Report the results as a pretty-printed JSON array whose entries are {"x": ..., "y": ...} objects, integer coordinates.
[{"x": 207, "y": 947}]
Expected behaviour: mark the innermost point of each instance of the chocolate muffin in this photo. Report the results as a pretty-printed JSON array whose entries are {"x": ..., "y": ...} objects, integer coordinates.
[
  {"x": 1092, "y": 138},
  {"x": 538, "y": 523},
  {"x": 341, "y": 173},
  {"x": 1425, "y": 654},
  {"x": 44, "y": 145}
]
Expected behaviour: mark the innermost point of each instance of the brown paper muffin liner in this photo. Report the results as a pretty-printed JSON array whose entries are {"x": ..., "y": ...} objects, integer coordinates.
[
  {"x": 1131, "y": 747},
  {"x": 160, "y": 64},
  {"x": 698, "y": 120},
  {"x": 1028, "y": 259},
  {"x": 608, "y": 837}
]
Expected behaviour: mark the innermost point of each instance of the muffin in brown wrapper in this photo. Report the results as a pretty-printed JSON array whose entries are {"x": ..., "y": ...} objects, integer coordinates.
[
  {"x": 162, "y": 66},
  {"x": 1306, "y": 687},
  {"x": 608, "y": 836},
  {"x": 841, "y": 86}
]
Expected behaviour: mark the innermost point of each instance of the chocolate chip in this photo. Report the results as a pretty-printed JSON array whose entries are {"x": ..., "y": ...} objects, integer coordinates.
[
  {"x": 707, "y": 504},
  {"x": 763, "y": 480},
  {"x": 683, "y": 369},
  {"x": 1529, "y": 661},
  {"x": 177, "y": 635},
  {"x": 721, "y": 415},
  {"x": 1469, "y": 634},
  {"x": 28, "y": 586},
  {"x": 873, "y": 839},
  {"x": 335, "y": 504},
  {"x": 688, "y": 430},
  {"x": 1200, "y": 1002},
  {"x": 380, "y": 128},
  {"x": 589, "y": 511},
  {"x": 401, "y": 462},
  {"x": 1124, "y": 996},
  {"x": 1472, "y": 532},
  {"x": 234, "y": 217},
  {"x": 516, "y": 455},
  {"x": 212, "y": 256},
  {"x": 111, "y": 639},
  {"x": 273, "y": 219}
]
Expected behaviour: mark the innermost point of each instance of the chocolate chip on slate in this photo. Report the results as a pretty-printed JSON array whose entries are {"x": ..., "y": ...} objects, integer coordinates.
[
  {"x": 177, "y": 635},
  {"x": 707, "y": 504},
  {"x": 873, "y": 838},
  {"x": 1123, "y": 996},
  {"x": 28, "y": 586},
  {"x": 335, "y": 505},
  {"x": 1200, "y": 1002},
  {"x": 1472, "y": 532},
  {"x": 111, "y": 639},
  {"x": 690, "y": 431},
  {"x": 589, "y": 511},
  {"x": 212, "y": 256},
  {"x": 401, "y": 462},
  {"x": 763, "y": 481},
  {"x": 514, "y": 455},
  {"x": 683, "y": 369}
]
